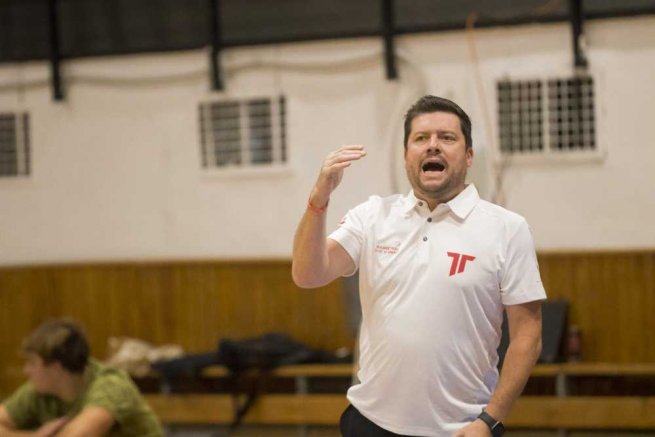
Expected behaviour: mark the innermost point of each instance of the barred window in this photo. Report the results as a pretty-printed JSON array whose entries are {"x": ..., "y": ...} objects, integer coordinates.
[
  {"x": 571, "y": 114},
  {"x": 520, "y": 115},
  {"x": 546, "y": 117},
  {"x": 244, "y": 133},
  {"x": 14, "y": 144}
]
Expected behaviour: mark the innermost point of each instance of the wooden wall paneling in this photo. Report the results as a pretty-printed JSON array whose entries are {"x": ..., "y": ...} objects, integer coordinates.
[
  {"x": 635, "y": 293},
  {"x": 25, "y": 294},
  {"x": 594, "y": 306},
  {"x": 191, "y": 304},
  {"x": 648, "y": 304},
  {"x": 194, "y": 304},
  {"x": 195, "y": 316},
  {"x": 611, "y": 300}
]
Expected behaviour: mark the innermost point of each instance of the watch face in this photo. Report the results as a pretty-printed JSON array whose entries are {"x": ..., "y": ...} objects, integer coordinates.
[
  {"x": 497, "y": 430},
  {"x": 496, "y": 427}
]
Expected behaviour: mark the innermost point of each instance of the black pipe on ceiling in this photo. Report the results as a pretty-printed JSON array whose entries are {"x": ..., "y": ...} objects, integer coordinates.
[
  {"x": 215, "y": 52},
  {"x": 576, "y": 17},
  {"x": 55, "y": 53},
  {"x": 388, "y": 35}
]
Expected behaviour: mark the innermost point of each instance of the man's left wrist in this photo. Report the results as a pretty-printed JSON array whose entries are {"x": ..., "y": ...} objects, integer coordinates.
[{"x": 495, "y": 426}]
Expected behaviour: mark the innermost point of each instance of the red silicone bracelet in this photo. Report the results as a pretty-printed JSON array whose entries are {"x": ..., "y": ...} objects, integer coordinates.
[{"x": 315, "y": 209}]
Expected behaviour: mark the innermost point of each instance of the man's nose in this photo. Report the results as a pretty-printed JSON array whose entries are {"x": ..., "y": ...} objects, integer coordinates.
[{"x": 433, "y": 145}]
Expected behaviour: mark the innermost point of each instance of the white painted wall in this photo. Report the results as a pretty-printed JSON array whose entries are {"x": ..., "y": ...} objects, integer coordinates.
[{"x": 116, "y": 167}]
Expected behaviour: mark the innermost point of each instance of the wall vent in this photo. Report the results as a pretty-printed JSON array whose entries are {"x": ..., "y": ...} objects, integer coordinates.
[
  {"x": 243, "y": 133},
  {"x": 553, "y": 116},
  {"x": 14, "y": 144}
]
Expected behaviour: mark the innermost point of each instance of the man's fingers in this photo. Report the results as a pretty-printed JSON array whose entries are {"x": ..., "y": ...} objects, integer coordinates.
[
  {"x": 344, "y": 156},
  {"x": 340, "y": 165},
  {"x": 351, "y": 147},
  {"x": 52, "y": 427},
  {"x": 333, "y": 165},
  {"x": 340, "y": 159},
  {"x": 59, "y": 423},
  {"x": 349, "y": 150}
]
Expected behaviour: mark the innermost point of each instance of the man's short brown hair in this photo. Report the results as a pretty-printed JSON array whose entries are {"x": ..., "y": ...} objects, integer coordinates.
[
  {"x": 429, "y": 104},
  {"x": 59, "y": 340}
]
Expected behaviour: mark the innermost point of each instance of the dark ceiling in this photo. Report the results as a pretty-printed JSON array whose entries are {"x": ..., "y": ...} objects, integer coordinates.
[{"x": 113, "y": 27}]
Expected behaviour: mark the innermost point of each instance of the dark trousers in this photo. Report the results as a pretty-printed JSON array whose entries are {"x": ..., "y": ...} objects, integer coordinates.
[{"x": 354, "y": 424}]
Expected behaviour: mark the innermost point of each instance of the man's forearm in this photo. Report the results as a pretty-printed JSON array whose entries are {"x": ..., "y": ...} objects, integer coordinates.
[
  {"x": 521, "y": 356},
  {"x": 312, "y": 264},
  {"x": 310, "y": 259}
]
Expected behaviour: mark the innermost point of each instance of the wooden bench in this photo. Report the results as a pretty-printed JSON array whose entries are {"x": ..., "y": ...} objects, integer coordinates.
[
  {"x": 269, "y": 409},
  {"x": 584, "y": 412},
  {"x": 302, "y": 370},
  {"x": 561, "y": 411},
  {"x": 589, "y": 412}
]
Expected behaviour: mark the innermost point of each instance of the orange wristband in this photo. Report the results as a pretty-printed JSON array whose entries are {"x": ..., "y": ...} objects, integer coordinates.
[{"x": 315, "y": 209}]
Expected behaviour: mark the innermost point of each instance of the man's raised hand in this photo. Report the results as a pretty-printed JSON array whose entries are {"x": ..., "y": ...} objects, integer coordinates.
[{"x": 332, "y": 172}]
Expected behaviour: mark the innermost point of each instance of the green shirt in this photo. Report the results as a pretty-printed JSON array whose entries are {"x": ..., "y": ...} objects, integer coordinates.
[{"x": 105, "y": 387}]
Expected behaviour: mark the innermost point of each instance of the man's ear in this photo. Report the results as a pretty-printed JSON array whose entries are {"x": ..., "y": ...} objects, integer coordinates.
[{"x": 469, "y": 156}]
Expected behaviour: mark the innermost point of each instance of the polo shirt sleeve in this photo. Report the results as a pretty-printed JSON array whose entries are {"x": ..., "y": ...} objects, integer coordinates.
[
  {"x": 115, "y": 394},
  {"x": 21, "y": 407},
  {"x": 350, "y": 233},
  {"x": 520, "y": 279}
]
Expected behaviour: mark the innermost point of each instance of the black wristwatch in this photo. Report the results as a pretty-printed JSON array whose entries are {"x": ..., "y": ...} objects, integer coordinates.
[{"x": 497, "y": 428}]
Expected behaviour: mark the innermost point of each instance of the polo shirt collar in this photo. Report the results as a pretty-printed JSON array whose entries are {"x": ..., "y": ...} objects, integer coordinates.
[
  {"x": 409, "y": 202},
  {"x": 461, "y": 205}
]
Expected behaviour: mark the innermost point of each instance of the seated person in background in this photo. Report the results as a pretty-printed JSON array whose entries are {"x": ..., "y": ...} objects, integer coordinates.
[{"x": 70, "y": 394}]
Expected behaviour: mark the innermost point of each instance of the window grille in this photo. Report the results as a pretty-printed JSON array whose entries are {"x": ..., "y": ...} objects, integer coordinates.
[
  {"x": 546, "y": 117},
  {"x": 244, "y": 133},
  {"x": 571, "y": 114},
  {"x": 14, "y": 145}
]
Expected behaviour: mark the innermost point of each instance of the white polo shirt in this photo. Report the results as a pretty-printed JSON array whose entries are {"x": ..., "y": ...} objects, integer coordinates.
[{"x": 432, "y": 287}]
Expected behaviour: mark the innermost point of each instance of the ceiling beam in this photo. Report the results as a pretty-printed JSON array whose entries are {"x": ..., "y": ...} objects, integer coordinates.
[
  {"x": 55, "y": 53},
  {"x": 388, "y": 33}
]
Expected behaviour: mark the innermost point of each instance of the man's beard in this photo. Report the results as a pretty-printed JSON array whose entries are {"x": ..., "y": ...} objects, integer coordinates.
[{"x": 445, "y": 191}]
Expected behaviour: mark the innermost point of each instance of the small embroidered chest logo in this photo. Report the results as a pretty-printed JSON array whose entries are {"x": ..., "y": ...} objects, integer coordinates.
[
  {"x": 459, "y": 262},
  {"x": 389, "y": 250}
]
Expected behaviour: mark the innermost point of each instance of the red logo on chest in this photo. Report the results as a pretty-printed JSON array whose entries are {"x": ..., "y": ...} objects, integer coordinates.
[
  {"x": 459, "y": 262},
  {"x": 388, "y": 249}
]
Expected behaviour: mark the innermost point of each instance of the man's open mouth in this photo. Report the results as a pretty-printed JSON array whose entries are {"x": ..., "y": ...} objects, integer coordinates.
[{"x": 433, "y": 166}]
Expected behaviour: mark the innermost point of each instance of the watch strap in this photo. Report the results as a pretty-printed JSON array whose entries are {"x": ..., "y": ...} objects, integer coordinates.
[{"x": 496, "y": 426}]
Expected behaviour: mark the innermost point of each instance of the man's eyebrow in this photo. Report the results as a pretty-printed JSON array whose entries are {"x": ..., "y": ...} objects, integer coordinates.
[{"x": 439, "y": 131}]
